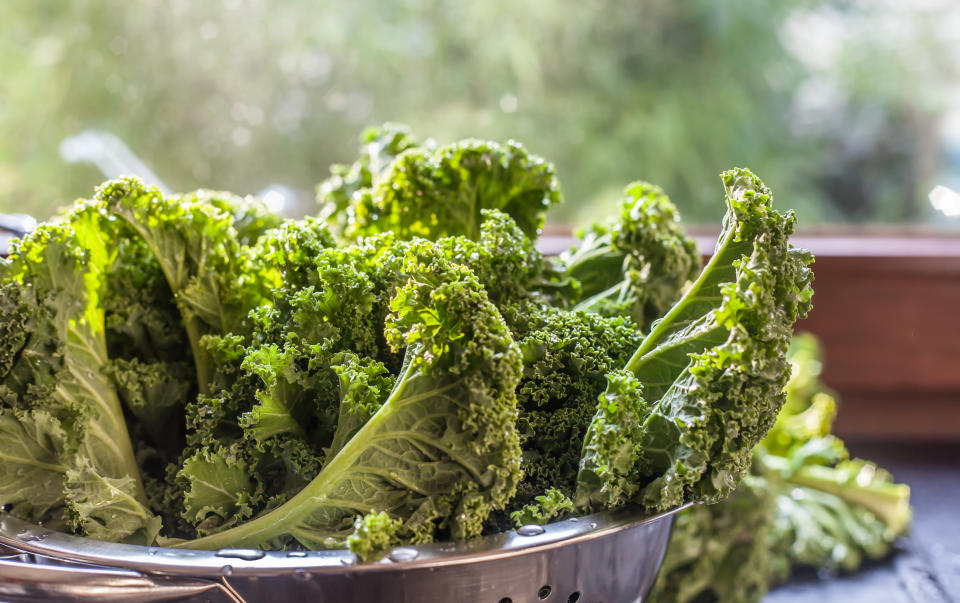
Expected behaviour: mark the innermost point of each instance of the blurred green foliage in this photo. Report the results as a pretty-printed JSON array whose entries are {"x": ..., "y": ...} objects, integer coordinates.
[{"x": 240, "y": 94}]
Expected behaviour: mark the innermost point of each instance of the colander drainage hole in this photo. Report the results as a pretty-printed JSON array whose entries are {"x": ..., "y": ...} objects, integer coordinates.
[
  {"x": 544, "y": 591},
  {"x": 574, "y": 597}
]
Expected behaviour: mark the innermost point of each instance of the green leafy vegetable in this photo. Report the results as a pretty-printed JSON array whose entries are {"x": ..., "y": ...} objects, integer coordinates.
[
  {"x": 435, "y": 193},
  {"x": 804, "y": 503},
  {"x": 565, "y": 361},
  {"x": 550, "y": 505},
  {"x": 441, "y": 452},
  {"x": 721, "y": 552},
  {"x": 251, "y": 217},
  {"x": 364, "y": 386},
  {"x": 65, "y": 445},
  {"x": 220, "y": 492},
  {"x": 198, "y": 250},
  {"x": 407, "y": 367},
  {"x": 637, "y": 265},
  {"x": 679, "y": 422},
  {"x": 350, "y": 184},
  {"x": 374, "y": 533}
]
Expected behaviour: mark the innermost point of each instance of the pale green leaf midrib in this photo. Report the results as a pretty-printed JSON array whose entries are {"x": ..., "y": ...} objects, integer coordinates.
[
  {"x": 668, "y": 323},
  {"x": 107, "y": 411},
  {"x": 8, "y": 457}
]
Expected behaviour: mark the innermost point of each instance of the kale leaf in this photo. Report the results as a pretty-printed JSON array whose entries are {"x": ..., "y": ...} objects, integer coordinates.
[
  {"x": 804, "y": 503},
  {"x": 66, "y": 451},
  {"x": 441, "y": 452},
  {"x": 680, "y": 420},
  {"x": 636, "y": 266}
]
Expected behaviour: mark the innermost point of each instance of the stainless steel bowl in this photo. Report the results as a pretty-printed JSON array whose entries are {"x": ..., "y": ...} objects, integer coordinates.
[{"x": 610, "y": 557}]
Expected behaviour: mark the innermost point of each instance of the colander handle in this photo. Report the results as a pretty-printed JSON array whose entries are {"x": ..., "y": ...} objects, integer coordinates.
[{"x": 26, "y": 577}]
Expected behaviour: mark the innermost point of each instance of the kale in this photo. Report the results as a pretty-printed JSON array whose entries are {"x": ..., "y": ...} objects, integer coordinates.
[
  {"x": 441, "y": 452},
  {"x": 635, "y": 266},
  {"x": 194, "y": 370},
  {"x": 803, "y": 503},
  {"x": 66, "y": 450},
  {"x": 679, "y": 421}
]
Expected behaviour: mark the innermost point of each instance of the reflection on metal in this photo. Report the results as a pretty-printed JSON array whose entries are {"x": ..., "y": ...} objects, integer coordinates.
[
  {"x": 110, "y": 154},
  {"x": 48, "y": 581},
  {"x": 611, "y": 557}
]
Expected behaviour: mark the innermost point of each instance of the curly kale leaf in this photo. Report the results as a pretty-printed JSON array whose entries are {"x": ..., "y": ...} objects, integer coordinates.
[
  {"x": 150, "y": 362},
  {"x": 156, "y": 394},
  {"x": 503, "y": 257},
  {"x": 321, "y": 293},
  {"x": 341, "y": 303},
  {"x": 833, "y": 517},
  {"x": 60, "y": 417},
  {"x": 638, "y": 265},
  {"x": 803, "y": 503},
  {"x": 680, "y": 421},
  {"x": 550, "y": 505},
  {"x": 831, "y": 511},
  {"x": 275, "y": 392},
  {"x": 142, "y": 319},
  {"x": 379, "y": 145},
  {"x": 365, "y": 385},
  {"x": 436, "y": 193},
  {"x": 32, "y": 465},
  {"x": 200, "y": 255},
  {"x": 251, "y": 217},
  {"x": 269, "y": 427},
  {"x": 374, "y": 533},
  {"x": 19, "y": 320},
  {"x": 441, "y": 452},
  {"x": 278, "y": 392},
  {"x": 285, "y": 255},
  {"x": 342, "y": 295},
  {"x": 283, "y": 402},
  {"x": 565, "y": 362},
  {"x": 504, "y": 260},
  {"x": 721, "y": 552},
  {"x": 219, "y": 491}
]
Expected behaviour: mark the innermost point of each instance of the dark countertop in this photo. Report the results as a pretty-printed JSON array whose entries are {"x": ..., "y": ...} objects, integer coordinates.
[{"x": 926, "y": 566}]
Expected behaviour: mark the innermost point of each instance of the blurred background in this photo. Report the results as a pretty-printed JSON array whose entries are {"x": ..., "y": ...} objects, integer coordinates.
[{"x": 849, "y": 109}]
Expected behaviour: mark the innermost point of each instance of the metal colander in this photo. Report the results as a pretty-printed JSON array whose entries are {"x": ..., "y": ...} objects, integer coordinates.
[{"x": 610, "y": 557}]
